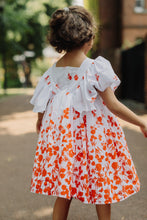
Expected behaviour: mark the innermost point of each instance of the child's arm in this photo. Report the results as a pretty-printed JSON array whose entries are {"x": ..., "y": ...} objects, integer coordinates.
[
  {"x": 121, "y": 110},
  {"x": 39, "y": 122}
]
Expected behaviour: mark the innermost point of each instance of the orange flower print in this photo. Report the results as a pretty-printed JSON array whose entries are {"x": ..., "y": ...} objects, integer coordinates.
[
  {"x": 99, "y": 120},
  {"x": 69, "y": 76},
  {"x": 99, "y": 167},
  {"x": 92, "y": 131},
  {"x": 76, "y": 77},
  {"x": 76, "y": 115},
  {"x": 82, "y": 152},
  {"x": 62, "y": 172},
  {"x": 94, "y": 113},
  {"x": 79, "y": 135},
  {"x": 115, "y": 165},
  {"x": 68, "y": 126},
  {"x": 66, "y": 113},
  {"x": 64, "y": 191},
  {"x": 115, "y": 77},
  {"x": 44, "y": 172},
  {"x": 46, "y": 77},
  {"x": 100, "y": 137},
  {"x": 111, "y": 121},
  {"x": 40, "y": 158},
  {"x": 93, "y": 99},
  {"x": 53, "y": 93},
  {"x": 97, "y": 76},
  {"x": 74, "y": 191}
]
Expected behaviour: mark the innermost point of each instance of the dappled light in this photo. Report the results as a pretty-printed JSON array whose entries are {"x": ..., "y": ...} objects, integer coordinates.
[
  {"x": 43, "y": 212},
  {"x": 38, "y": 214},
  {"x": 18, "y": 123}
]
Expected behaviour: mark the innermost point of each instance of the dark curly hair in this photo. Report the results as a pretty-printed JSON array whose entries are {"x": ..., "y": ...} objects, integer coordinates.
[{"x": 71, "y": 28}]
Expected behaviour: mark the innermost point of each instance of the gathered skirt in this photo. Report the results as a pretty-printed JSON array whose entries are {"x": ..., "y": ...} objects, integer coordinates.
[{"x": 84, "y": 156}]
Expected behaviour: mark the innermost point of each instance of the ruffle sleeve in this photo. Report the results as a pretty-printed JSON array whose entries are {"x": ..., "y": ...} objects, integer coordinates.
[
  {"x": 98, "y": 76},
  {"x": 102, "y": 76},
  {"x": 42, "y": 94},
  {"x": 94, "y": 75}
]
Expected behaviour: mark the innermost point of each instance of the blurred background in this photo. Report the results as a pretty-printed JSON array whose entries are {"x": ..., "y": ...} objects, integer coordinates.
[
  {"x": 122, "y": 38},
  {"x": 24, "y": 56}
]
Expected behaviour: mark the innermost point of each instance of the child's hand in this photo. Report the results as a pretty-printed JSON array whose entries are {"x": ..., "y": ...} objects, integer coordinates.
[
  {"x": 39, "y": 122},
  {"x": 38, "y": 125},
  {"x": 144, "y": 129}
]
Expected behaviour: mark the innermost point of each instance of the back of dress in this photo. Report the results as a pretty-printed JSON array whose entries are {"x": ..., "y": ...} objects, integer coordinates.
[{"x": 81, "y": 149}]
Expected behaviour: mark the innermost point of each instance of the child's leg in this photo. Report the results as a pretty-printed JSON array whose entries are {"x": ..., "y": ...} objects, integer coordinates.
[
  {"x": 103, "y": 211},
  {"x": 61, "y": 208}
]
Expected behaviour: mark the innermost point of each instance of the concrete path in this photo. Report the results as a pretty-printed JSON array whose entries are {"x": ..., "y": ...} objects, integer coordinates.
[{"x": 17, "y": 144}]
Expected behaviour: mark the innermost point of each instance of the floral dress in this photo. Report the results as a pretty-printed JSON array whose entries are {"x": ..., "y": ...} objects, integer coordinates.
[{"x": 81, "y": 149}]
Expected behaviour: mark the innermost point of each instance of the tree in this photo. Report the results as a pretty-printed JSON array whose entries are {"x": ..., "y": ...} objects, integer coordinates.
[
  {"x": 93, "y": 7},
  {"x": 24, "y": 25}
]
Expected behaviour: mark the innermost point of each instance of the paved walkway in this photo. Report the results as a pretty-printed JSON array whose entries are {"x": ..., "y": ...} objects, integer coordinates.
[{"x": 18, "y": 143}]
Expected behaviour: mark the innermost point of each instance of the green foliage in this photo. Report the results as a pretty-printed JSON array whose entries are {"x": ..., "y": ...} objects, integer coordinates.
[
  {"x": 69, "y": 2},
  {"x": 24, "y": 26},
  {"x": 12, "y": 76},
  {"x": 93, "y": 7},
  {"x": 12, "y": 83}
]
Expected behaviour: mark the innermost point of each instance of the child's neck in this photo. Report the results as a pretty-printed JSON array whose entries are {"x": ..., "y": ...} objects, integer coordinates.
[{"x": 73, "y": 58}]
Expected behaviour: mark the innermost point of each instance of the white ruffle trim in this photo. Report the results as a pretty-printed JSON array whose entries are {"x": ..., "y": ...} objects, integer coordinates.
[
  {"x": 96, "y": 75},
  {"x": 43, "y": 93},
  {"x": 102, "y": 76}
]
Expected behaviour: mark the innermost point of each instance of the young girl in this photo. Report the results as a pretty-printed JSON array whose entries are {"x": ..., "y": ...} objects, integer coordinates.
[{"x": 81, "y": 151}]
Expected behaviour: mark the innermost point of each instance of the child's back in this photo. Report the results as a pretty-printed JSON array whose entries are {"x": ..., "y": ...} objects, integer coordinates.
[{"x": 81, "y": 150}]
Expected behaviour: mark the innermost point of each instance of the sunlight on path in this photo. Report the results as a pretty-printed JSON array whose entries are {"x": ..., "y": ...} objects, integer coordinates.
[
  {"x": 18, "y": 123},
  {"x": 43, "y": 212},
  {"x": 39, "y": 213},
  {"x": 27, "y": 91}
]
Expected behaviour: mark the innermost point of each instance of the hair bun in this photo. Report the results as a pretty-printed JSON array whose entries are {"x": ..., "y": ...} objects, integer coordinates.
[
  {"x": 58, "y": 18},
  {"x": 70, "y": 28}
]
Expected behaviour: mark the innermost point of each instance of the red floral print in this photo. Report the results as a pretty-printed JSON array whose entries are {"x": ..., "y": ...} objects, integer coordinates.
[
  {"x": 76, "y": 77},
  {"x": 82, "y": 153},
  {"x": 97, "y": 76},
  {"x": 69, "y": 76}
]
